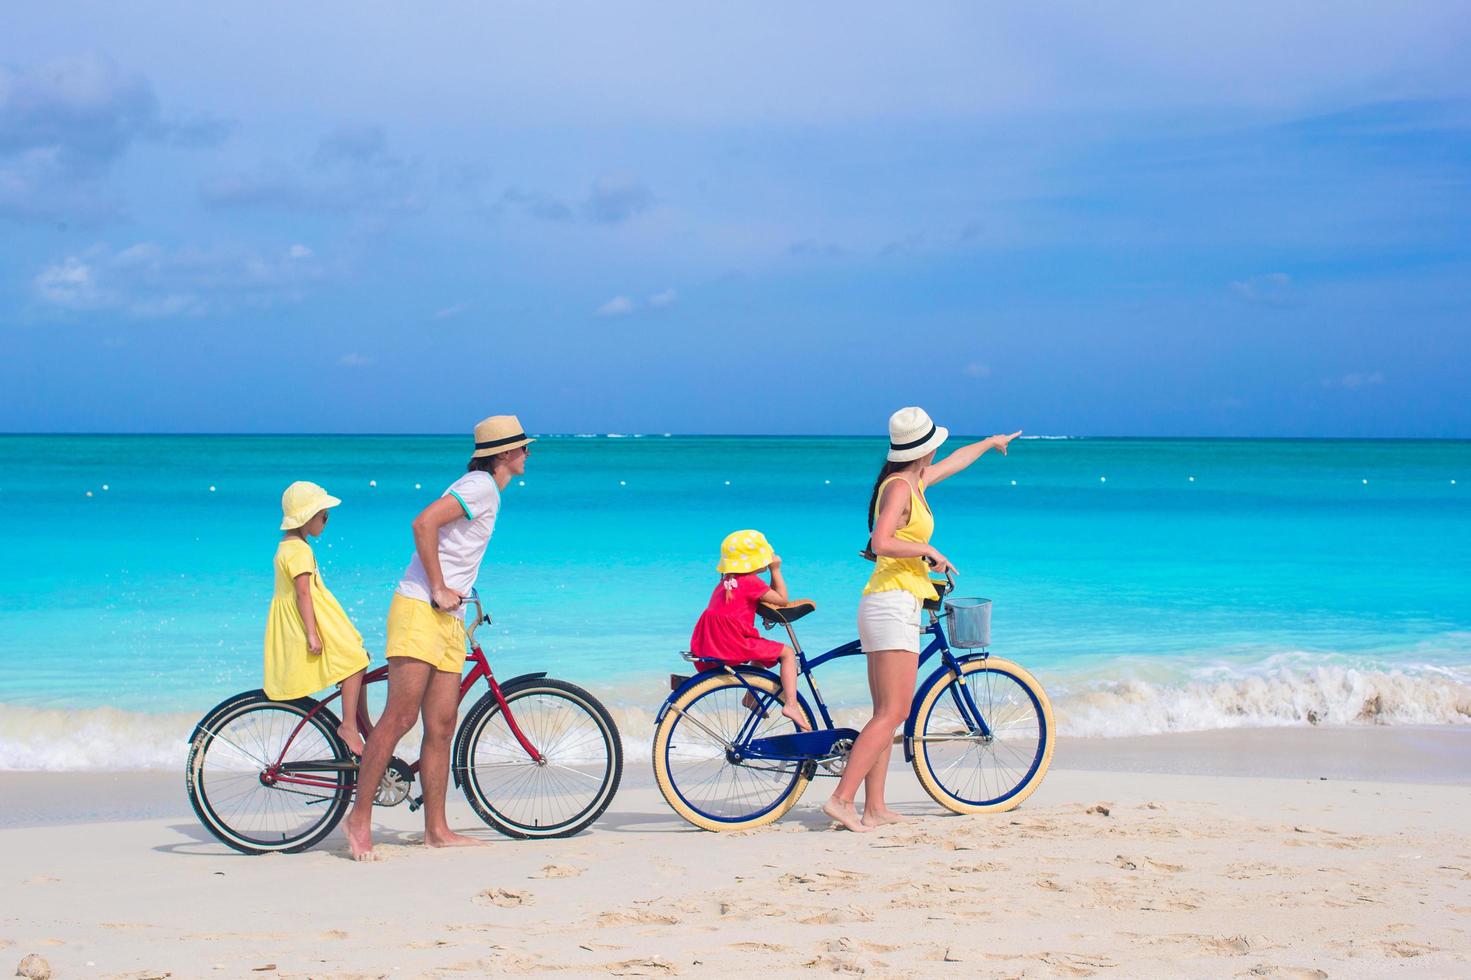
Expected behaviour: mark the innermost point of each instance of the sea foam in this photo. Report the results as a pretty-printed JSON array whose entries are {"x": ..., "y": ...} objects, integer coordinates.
[
  {"x": 54, "y": 739},
  {"x": 1323, "y": 695}
]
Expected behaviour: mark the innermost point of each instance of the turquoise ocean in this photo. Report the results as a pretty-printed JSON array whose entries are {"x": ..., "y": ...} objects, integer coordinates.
[{"x": 1152, "y": 585}]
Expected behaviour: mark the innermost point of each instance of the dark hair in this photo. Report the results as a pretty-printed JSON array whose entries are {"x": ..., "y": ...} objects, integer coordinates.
[
  {"x": 485, "y": 464},
  {"x": 887, "y": 470}
]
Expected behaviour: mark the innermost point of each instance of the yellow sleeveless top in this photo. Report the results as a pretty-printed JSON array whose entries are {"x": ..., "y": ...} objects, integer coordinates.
[{"x": 910, "y": 575}]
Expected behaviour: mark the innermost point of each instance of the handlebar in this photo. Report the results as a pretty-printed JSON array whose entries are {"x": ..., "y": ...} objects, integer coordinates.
[{"x": 481, "y": 616}]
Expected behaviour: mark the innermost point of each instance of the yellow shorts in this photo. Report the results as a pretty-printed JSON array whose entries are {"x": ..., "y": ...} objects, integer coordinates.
[{"x": 418, "y": 630}]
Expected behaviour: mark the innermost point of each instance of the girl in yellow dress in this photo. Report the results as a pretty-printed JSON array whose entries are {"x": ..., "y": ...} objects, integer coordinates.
[{"x": 310, "y": 642}]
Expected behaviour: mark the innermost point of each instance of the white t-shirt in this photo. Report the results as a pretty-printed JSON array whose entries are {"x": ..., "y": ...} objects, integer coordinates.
[{"x": 462, "y": 541}]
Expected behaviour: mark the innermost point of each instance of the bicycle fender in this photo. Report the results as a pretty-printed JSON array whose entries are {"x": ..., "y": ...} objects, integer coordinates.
[
  {"x": 941, "y": 674},
  {"x": 533, "y": 676},
  {"x": 704, "y": 675}
]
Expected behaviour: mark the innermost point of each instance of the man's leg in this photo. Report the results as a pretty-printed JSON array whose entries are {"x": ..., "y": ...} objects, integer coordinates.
[
  {"x": 407, "y": 681},
  {"x": 441, "y": 711}
]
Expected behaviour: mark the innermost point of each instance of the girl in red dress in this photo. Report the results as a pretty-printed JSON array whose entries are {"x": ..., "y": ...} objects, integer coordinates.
[{"x": 726, "y": 630}]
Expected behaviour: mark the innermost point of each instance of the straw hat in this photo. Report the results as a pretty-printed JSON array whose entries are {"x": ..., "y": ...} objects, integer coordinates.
[
  {"x": 912, "y": 434},
  {"x": 499, "y": 434},
  {"x": 744, "y": 551},
  {"x": 301, "y": 502}
]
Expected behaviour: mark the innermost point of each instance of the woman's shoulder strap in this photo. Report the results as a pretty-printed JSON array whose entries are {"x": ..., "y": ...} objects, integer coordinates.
[{"x": 878, "y": 500}]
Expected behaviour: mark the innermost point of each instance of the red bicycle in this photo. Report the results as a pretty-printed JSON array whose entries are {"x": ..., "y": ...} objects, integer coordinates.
[{"x": 535, "y": 757}]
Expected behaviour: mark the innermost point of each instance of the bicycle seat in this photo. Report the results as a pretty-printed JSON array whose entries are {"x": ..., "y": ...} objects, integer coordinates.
[
  {"x": 789, "y": 613},
  {"x": 942, "y": 586}
]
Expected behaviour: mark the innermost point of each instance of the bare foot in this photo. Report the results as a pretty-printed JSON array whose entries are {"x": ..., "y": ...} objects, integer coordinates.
[
  {"x": 749, "y": 702},
  {"x": 353, "y": 738},
  {"x": 360, "y": 840},
  {"x": 448, "y": 838},
  {"x": 845, "y": 813},
  {"x": 874, "y": 817},
  {"x": 794, "y": 714}
]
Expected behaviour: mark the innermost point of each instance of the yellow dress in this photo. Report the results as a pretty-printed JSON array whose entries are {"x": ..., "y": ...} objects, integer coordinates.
[
  {"x": 910, "y": 575},
  {"x": 291, "y": 670}
]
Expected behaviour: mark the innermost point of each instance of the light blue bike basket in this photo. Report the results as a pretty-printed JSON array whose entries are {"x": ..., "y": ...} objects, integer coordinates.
[{"x": 970, "y": 622}]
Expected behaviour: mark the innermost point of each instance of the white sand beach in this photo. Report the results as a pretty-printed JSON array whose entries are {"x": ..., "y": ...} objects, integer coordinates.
[{"x": 1149, "y": 870}]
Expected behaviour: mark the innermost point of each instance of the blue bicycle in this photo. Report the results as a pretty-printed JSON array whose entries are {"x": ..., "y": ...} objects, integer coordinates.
[{"x": 979, "y": 734}]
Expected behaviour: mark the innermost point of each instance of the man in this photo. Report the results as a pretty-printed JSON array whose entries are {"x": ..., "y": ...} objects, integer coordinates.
[{"x": 426, "y": 631}]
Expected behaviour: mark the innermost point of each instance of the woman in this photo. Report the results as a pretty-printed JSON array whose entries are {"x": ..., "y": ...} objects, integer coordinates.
[
  {"x": 900, "y": 524},
  {"x": 426, "y": 630}
]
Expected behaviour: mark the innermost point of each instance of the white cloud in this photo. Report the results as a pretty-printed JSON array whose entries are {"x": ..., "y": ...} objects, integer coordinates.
[
  {"x": 354, "y": 360},
  {"x": 351, "y": 171},
  {"x": 299, "y": 251},
  {"x": 64, "y": 123},
  {"x": 70, "y": 284},
  {"x": 1271, "y": 289},
  {"x": 663, "y": 299},
  {"x": 616, "y": 198},
  {"x": 975, "y": 369},
  {"x": 147, "y": 280},
  {"x": 617, "y": 306},
  {"x": 1355, "y": 380},
  {"x": 451, "y": 311}
]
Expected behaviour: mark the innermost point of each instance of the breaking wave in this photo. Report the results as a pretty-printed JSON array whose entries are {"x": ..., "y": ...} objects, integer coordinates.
[
  {"x": 1324, "y": 695},
  {"x": 1272, "y": 695}
]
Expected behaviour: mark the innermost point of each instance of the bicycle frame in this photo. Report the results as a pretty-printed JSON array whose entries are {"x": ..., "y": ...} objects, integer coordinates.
[
  {"x": 300, "y": 773},
  {"x": 787, "y": 748}
]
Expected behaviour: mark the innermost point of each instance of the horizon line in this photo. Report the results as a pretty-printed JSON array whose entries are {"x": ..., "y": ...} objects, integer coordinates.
[{"x": 1046, "y": 437}]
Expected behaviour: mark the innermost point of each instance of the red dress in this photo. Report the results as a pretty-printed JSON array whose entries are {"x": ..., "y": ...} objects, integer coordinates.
[{"x": 726, "y": 630}]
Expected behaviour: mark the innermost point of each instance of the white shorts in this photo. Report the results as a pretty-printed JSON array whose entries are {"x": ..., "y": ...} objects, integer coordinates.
[{"x": 889, "y": 621}]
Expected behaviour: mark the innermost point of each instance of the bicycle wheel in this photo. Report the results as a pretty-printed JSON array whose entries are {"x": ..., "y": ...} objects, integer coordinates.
[
  {"x": 237, "y": 788},
  {"x": 694, "y": 772},
  {"x": 578, "y": 741},
  {"x": 969, "y": 773}
]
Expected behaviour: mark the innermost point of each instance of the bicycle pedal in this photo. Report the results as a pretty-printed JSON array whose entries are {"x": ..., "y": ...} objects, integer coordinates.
[{"x": 415, "y": 803}]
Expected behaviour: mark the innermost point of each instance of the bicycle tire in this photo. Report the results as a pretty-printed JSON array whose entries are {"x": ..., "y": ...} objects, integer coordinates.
[
  {"x": 668, "y": 760},
  {"x": 572, "y": 759},
  {"x": 1006, "y": 695},
  {"x": 224, "y": 777}
]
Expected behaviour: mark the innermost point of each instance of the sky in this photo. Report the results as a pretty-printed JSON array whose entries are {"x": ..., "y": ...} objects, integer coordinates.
[{"x": 1158, "y": 219}]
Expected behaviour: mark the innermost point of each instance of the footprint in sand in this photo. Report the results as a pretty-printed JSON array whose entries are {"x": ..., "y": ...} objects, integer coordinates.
[
  {"x": 750, "y": 910},
  {"x": 502, "y": 898},
  {"x": 1226, "y": 945},
  {"x": 652, "y": 966},
  {"x": 837, "y": 916},
  {"x": 752, "y": 947},
  {"x": 635, "y": 917},
  {"x": 1162, "y": 866},
  {"x": 41, "y": 880},
  {"x": 558, "y": 871},
  {"x": 1075, "y": 964},
  {"x": 841, "y": 958},
  {"x": 1285, "y": 972}
]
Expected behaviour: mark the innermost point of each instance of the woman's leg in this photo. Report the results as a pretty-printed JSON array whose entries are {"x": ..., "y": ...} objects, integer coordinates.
[
  {"x": 441, "y": 712},
  {"x": 892, "y": 675},
  {"x": 352, "y": 691},
  {"x": 790, "y": 708},
  {"x": 876, "y": 811},
  {"x": 407, "y": 680}
]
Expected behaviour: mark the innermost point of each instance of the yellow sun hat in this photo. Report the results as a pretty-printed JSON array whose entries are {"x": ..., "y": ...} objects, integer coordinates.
[
  {"x": 301, "y": 502},
  {"x": 744, "y": 551}
]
